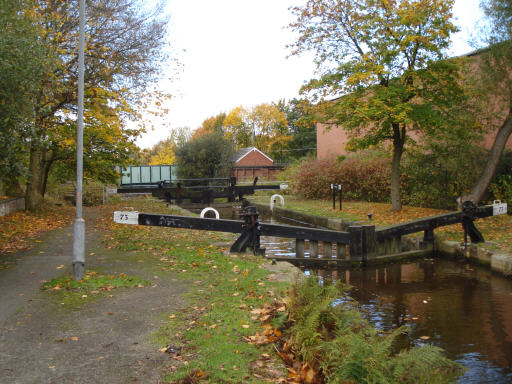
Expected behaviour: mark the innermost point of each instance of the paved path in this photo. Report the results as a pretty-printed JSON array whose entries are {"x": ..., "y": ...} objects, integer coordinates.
[{"x": 107, "y": 341}]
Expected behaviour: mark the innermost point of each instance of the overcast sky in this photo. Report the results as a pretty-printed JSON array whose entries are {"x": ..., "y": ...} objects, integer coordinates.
[{"x": 233, "y": 52}]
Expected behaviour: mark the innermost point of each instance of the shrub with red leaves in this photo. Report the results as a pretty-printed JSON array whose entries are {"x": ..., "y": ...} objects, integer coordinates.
[{"x": 362, "y": 179}]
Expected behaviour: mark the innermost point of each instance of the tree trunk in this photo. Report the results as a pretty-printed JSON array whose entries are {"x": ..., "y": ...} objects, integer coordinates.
[
  {"x": 33, "y": 195},
  {"x": 46, "y": 171},
  {"x": 487, "y": 175},
  {"x": 398, "y": 148}
]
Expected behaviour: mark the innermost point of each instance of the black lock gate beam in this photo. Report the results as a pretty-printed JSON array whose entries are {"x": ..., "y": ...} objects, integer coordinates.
[{"x": 249, "y": 228}]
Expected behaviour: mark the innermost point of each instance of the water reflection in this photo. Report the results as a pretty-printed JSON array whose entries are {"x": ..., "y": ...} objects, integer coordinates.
[{"x": 462, "y": 308}]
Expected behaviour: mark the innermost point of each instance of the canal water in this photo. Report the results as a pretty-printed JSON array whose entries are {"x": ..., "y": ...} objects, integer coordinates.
[{"x": 463, "y": 308}]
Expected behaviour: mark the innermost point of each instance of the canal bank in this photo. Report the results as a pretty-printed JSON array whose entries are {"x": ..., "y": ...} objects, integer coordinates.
[
  {"x": 464, "y": 308},
  {"x": 455, "y": 305}
]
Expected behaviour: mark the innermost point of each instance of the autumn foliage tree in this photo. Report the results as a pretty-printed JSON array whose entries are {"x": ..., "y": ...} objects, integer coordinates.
[
  {"x": 210, "y": 125},
  {"x": 164, "y": 152},
  {"x": 122, "y": 52},
  {"x": 263, "y": 126},
  {"x": 301, "y": 130},
  {"x": 383, "y": 65},
  {"x": 22, "y": 62},
  {"x": 237, "y": 127}
]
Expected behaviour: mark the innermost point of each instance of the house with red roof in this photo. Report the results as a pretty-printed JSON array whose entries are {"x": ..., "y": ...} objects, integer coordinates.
[{"x": 251, "y": 162}]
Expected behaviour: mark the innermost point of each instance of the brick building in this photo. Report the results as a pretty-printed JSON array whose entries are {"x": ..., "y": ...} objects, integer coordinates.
[
  {"x": 331, "y": 139},
  {"x": 251, "y": 162}
]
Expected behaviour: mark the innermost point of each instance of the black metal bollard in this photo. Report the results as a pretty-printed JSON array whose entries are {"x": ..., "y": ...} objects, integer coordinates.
[
  {"x": 334, "y": 188},
  {"x": 341, "y": 194}
]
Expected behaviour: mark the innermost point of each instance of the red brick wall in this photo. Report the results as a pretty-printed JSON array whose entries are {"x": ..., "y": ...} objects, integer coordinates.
[
  {"x": 263, "y": 173},
  {"x": 331, "y": 142}
]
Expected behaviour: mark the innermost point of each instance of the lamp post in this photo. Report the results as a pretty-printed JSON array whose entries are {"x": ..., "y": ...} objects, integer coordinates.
[{"x": 79, "y": 224}]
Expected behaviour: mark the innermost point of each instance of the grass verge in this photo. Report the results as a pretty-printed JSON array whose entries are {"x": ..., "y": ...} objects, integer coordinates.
[
  {"x": 206, "y": 339},
  {"x": 74, "y": 294},
  {"x": 497, "y": 229}
]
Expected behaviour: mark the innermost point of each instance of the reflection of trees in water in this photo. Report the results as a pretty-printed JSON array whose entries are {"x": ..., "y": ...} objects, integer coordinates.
[{"x": 463, "y": 313}]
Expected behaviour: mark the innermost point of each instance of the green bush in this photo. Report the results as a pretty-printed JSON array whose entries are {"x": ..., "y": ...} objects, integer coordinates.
[
  {"x": 207, "y": 156},
  {"x": 436, "y": 179},
  {"x": 332, "y": 337},
  {"x": 92, "y": 196},
  {"x": 501, "y": 187}
]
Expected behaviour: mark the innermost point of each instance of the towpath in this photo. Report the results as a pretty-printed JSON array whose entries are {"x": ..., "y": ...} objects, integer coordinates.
[{"x": 106, "y": 341}]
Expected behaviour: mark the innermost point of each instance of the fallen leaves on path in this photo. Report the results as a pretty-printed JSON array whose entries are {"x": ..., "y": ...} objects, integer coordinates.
[{"x": 17, "y": 229}]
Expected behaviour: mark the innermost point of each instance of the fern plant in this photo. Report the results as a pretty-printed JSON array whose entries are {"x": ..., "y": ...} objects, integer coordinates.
[{"x": 332, "y": 336}]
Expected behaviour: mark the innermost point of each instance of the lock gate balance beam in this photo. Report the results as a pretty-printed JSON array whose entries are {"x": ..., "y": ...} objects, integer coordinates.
[{"x": 364, "y": 241}]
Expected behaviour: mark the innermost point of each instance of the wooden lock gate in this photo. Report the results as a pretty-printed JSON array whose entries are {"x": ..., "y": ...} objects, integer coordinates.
[
  {"x": 365, "y": 243},
  {"x": 199, "y": 190},
  {"x": 250, "y": 228}
]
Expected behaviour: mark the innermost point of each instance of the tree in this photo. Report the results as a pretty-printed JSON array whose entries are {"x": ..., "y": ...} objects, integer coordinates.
[
  {"x": 22, "y": 61},
  {"x": 123, "y": 50},
  {"x": 495, "y": 77},
  {"x": 263, "y": 126},
  {"x": 163, "y": 152},
  {"x": 270, "y": 127},
  {"x": 237, "y": 127},
  {"x": 208, "y": 156},
  {"x": 384, "y": 63},
  {"x": 107, "y": 143},
  {"x": 210, "y": 125},
  {"x": 301, "y": 129}
]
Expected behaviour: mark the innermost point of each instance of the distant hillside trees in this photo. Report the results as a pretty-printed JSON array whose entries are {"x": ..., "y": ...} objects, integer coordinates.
[{"x": 283, "y": 130}]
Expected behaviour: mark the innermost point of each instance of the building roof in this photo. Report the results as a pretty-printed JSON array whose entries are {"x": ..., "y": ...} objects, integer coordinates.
[{"x": 241, "y": 153}]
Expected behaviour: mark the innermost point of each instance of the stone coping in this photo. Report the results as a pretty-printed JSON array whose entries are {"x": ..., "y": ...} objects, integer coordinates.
[
  {"x": 9, "y": 199},
  {"x": 498, "y": 260}
]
